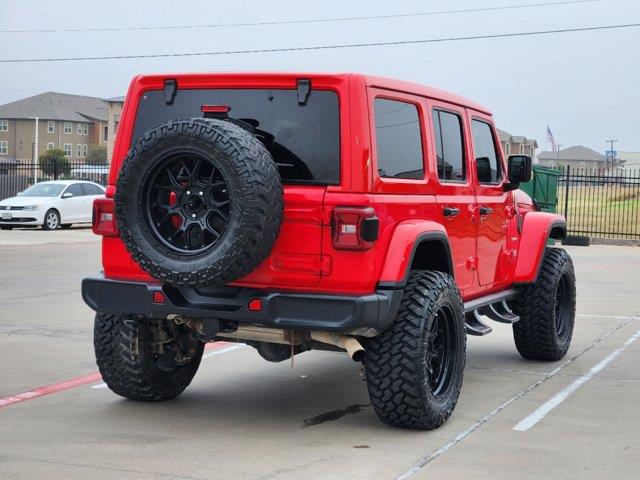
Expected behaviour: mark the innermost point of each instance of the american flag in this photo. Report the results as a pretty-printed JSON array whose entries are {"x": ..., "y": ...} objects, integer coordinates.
[{"x": 551, "y": 138}]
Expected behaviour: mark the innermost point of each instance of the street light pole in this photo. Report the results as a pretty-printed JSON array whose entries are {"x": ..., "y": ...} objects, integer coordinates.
[
  {"x": 558, "y": 145},
  {"x": 613, "y": 158},
  {"x": 35, "y": 151}
]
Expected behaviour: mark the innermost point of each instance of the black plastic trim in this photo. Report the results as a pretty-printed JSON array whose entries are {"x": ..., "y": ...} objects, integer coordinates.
[
  {"x": 333, "y": 313},
  {"x": 423, "y": 237},
  {"x": 170, "y": 90}
]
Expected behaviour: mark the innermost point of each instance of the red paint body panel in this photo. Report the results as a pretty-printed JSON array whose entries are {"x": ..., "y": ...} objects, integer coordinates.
[
  {"x": 536, "y": 228},
  {"x": 484, "y": 251}
]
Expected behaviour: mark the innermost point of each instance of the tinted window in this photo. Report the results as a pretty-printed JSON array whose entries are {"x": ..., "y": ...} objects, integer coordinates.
[
  {"x": 449, "y": 145},
  {"x": 91, "y": 189},
  {"x": 398, "y": 140},
  {"x": 76, "y": 189},
  {"x": 484, "y": 149},
  {"x": 304, "y": 140}
]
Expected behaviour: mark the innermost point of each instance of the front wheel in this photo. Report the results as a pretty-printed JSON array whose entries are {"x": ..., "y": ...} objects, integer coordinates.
[
  {"x": 143, "y": 358},
  {"x": 547, "y": 310},
  {"x": 51, "y": 220},
  {"x": 414, "y": 370}
]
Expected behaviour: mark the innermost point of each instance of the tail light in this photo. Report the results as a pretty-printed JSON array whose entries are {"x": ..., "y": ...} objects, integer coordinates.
[
  {"x": 104, "y": 217},
  {"x": 354, "y": 228}
]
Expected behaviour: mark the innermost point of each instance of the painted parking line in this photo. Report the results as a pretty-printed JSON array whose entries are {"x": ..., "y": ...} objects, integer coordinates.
[
  {"x": 421, "y": 463},
  {"x": 549, "y": 405},
  {"x": 216, "y": 347}
]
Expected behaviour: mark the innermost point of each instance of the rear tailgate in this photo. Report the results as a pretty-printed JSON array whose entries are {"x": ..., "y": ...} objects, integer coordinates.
[{"x": 296, "y": 259}]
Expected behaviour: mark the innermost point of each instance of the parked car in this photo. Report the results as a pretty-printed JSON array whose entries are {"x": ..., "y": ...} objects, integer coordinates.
[
  {"x": 332, "y": 212},
  {"x": 52, "y": 204}
]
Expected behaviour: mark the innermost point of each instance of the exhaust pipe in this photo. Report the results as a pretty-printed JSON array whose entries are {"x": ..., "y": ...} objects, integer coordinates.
[
  {"x": 289, "y": 337},
  {"x": 350, "y": 344}
]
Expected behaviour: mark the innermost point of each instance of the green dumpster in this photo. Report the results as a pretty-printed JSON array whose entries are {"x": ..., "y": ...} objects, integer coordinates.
[{"x": 543, "y": 187}]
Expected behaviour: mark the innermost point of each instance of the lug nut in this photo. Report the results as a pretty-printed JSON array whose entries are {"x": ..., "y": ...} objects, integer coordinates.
[
  {"x": 201, "y": 193},
  {"x": 193, "y": 215},
  {"x": 188, "y": 192}
]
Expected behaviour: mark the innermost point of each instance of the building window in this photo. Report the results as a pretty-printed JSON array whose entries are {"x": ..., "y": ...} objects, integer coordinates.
[
  {"x": 521, "y": 149},
  {"x": 507, "y": 151},
  {"x": 68, "y": 127},
  {"x": 68, "y": 150},
  {"x": 105, "y": 134},
  {"x": 398, "y": 141},
  {"x": 79, "y": 150},
  {"x": 447, "y": 128},
  {"x": 50, "y": 146},
  {"x": 85, "y": 151},
  {"x": 79, "y": 129},
  {"x": 51, "y": 127},
  {"x": 4, "y": 125},
  {"x": 85, "y": 129},
  {"x": 4, "y": 147}
]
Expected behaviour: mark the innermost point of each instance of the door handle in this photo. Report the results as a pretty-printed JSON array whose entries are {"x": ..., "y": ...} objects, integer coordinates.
[
  {"x": 450, "y": 211},
  {"x": 485, "y": 211}
]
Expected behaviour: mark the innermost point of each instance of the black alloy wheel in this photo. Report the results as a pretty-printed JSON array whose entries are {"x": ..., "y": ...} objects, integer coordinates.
[
  {"x": 442, "y": 350},
  {"x": 188, "y": 203}
]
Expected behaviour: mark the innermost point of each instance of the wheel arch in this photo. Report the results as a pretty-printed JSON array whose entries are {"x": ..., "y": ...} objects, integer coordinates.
[
  {"x": 537, "y": 229},
  {"x": 422, "y": 245}
]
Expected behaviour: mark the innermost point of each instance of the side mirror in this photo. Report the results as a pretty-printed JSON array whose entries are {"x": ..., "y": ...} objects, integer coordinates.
[
  {"x": 67, "y": 195},
  {"x": 518, "y": 170},
  {"x": 483, "y": 164}
]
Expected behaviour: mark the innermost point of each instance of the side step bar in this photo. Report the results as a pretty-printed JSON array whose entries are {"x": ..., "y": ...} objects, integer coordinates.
[{"x": 492, "y": 306}]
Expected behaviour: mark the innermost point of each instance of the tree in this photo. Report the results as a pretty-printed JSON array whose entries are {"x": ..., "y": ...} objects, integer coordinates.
[
  {"x": 97, "y": 156},
  {"x": 55, "y": 164}
]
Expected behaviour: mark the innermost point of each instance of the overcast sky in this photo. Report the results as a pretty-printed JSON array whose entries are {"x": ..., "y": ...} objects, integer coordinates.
[{"x": 585, "y": 85}]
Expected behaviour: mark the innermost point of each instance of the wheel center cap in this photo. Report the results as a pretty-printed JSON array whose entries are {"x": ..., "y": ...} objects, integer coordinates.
[{"x": 193, "y": 204}]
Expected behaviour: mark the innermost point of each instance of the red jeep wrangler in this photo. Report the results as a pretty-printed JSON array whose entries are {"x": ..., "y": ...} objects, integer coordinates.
[{"x": 294, "y": 212}]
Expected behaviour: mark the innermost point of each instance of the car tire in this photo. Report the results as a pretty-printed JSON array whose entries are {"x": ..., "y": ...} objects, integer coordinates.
[
  {"x": 227, "y": 194},
  {"x": 66, "y": 226},
  {"x": 414, "y": 370},
  {"x": 133, "y": 368},
  {"x": 547, "y": 309},
  {"x": 51, "y": 220}
]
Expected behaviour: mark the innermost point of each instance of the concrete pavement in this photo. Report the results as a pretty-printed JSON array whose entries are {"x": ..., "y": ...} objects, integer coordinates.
[{"x": 245, "y": 418}]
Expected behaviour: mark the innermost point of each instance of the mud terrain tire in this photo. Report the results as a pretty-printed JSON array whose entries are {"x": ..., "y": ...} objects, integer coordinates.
[
  {"x": 399, "y": 372},
  {"x": 547, "y": 309},
  {"x": 247, "y": 213},
  {"x": 128, "y": 365}
]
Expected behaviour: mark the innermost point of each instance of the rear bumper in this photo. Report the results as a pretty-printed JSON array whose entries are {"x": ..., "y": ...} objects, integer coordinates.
[{"x": 358, "y": 315}]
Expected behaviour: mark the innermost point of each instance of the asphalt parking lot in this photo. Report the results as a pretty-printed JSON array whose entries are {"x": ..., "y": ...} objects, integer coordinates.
[{"x": 244, "y": 418}]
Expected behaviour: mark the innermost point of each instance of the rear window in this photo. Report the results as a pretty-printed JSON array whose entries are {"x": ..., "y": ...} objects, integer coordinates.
[{"x": 306, "y": 138}]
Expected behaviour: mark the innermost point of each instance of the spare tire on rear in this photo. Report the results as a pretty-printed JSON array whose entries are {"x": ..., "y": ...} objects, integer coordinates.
[{"x": 198, "y": 201}]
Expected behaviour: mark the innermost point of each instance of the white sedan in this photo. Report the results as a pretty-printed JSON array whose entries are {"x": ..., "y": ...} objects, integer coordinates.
[{"x": 52, "y": 204}]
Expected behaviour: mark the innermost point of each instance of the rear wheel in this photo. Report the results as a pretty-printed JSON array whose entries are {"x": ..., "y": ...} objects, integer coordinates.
[
  {"x": 51, "y": 220},
  {"x": 414, "y": 370},
  {"x": 145, "y": 359},
  {"x": 547, "y": 310}
]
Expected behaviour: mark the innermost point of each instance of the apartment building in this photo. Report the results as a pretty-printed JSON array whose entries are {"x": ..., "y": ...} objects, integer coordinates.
[
  {"x": 517, "y": 144},
  {"x": 71, "y": 123}
]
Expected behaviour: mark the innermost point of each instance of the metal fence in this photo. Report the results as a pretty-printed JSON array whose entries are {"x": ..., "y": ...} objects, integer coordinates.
[
  {"x": 601, "y": 203},
  {"x": 15, "y": 177}
]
